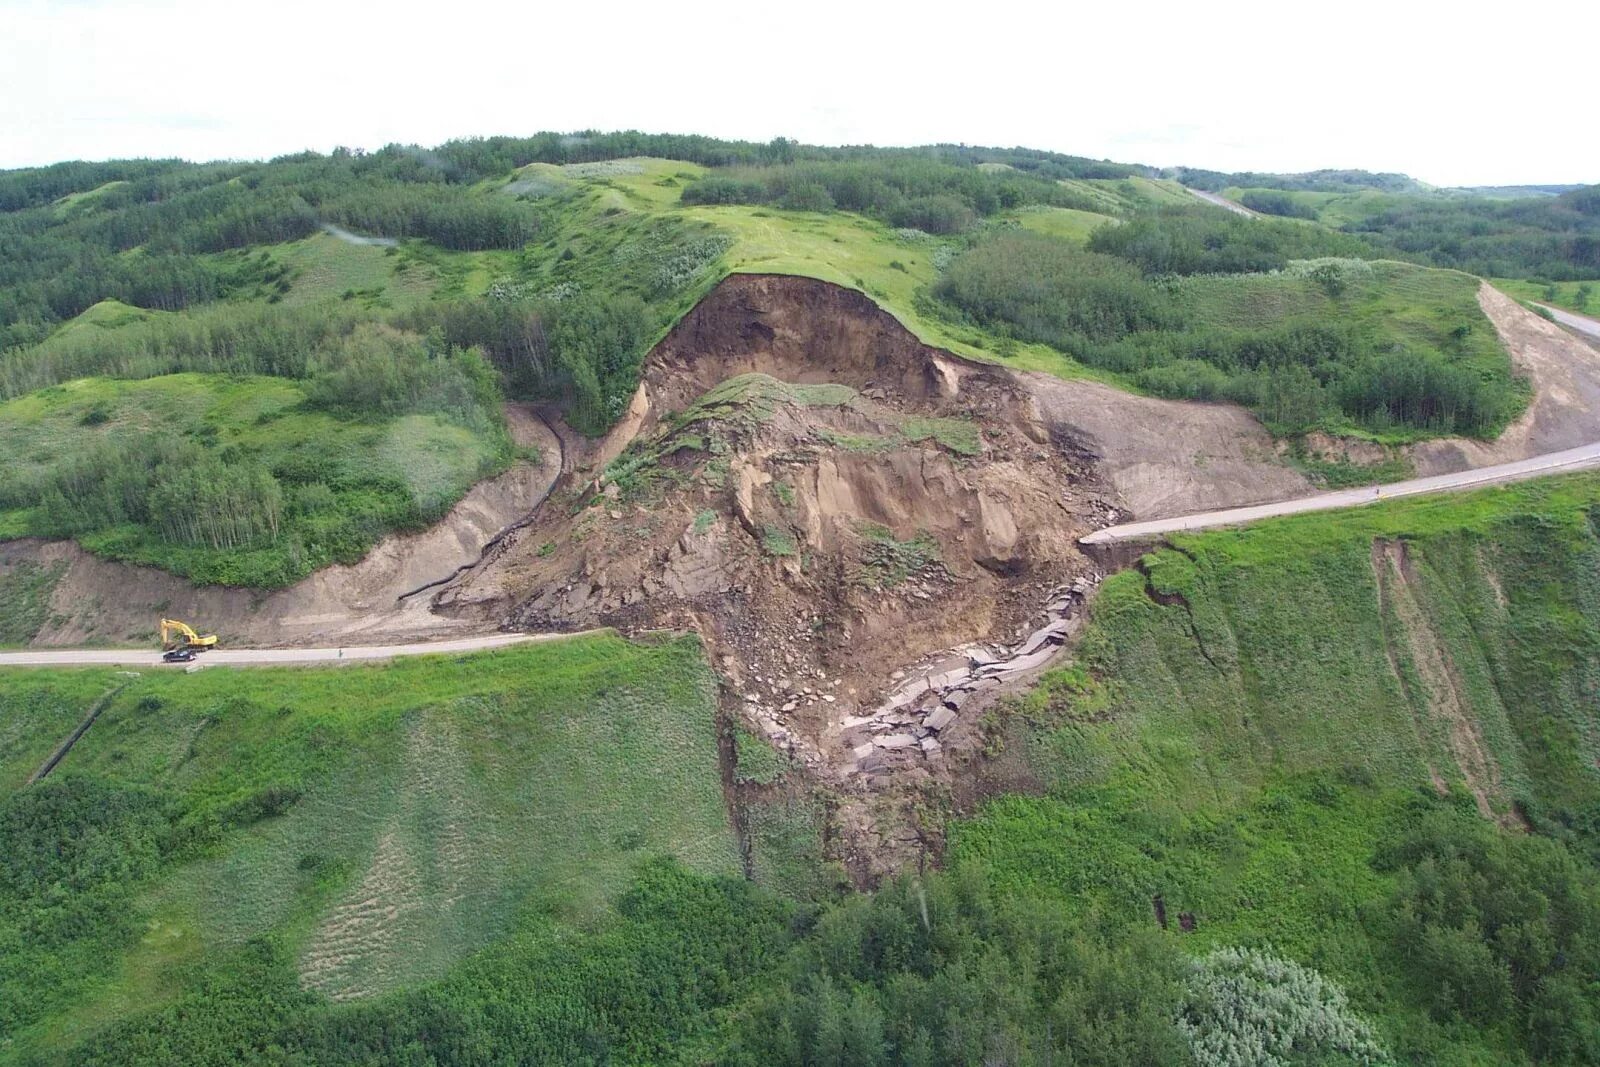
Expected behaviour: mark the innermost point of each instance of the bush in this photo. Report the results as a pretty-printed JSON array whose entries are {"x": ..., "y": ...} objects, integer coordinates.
[
  {"x": 378, "y": 370},
  {"x": 1242, "y": 1006},
  {"x": 1488, "y": 926},
  {"x": 941, "y": 214},
  {"x": 808, "y": 197}
]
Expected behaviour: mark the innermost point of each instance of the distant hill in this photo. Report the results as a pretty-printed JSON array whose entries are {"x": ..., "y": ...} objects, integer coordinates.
[{"x": 1313, "y": 181}]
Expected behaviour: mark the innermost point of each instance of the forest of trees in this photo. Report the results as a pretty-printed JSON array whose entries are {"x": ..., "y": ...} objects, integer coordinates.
[
  {"x": 1203, "y": 240},
  {"x": 1556, "y": 238},
  {"x": 1110, "y": 307},
  {"x": 914, "y": 191},
  {"x": 1314, "y": 181},
  {"x": 1484, "y": 935}
]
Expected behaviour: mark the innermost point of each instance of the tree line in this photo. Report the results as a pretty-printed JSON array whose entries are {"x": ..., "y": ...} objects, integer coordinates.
[
  {"x": 1110, "y": 307},
  {"x": 914, "y": 191},
  {"x": 1473, "y": 937}
]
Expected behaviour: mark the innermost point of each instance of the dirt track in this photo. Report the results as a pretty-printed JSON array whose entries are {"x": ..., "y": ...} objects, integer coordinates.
[{"x": 1224, "y": 202}]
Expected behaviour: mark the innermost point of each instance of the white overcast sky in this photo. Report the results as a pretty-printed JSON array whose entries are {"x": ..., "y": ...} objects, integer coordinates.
[{"x": 1454, "y": 93}]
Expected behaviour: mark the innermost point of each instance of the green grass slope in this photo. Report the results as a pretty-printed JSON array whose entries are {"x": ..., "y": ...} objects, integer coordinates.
[
  {"x": 1303, "y": 787},
  {"x": 375, "y": 824},
  {"x": 1293, "y": 736}
]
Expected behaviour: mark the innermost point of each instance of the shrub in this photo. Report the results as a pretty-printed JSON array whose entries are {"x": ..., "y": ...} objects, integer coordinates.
[
  {"x": 1275, "y": 202},
  {"x": 1242, "y": 1006},
  {"x": 810, "y": 196}
]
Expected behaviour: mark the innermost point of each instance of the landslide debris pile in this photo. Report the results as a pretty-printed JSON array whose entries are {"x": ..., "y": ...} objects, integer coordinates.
[{"x": 829, "y": 503}]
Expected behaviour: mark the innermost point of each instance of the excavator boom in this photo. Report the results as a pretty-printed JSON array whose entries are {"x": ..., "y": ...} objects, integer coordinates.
[{"x": 175, "y": 634}]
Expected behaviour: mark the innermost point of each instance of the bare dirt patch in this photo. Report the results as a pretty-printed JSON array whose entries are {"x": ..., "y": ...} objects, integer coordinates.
[
  {"x": 1167, "y": 457},
  {"x": 1444, "y": 699}
]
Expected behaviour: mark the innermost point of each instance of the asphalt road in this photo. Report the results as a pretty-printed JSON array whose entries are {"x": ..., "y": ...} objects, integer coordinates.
[
  {"x": 1582, "y": 323},
  {"x": 244, "y": 657},
  {"x": 1573, "y": 459}
]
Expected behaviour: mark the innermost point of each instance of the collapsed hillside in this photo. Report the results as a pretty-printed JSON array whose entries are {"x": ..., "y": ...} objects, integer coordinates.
[
  {"x": 829, "y": 502},
  {"x": 842, "y": 510}
]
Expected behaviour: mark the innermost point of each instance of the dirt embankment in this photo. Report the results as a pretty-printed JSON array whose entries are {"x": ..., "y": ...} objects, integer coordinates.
[
  {"x": 1167, "y": 457},
  {"x": 96, "y": 602},
  {"x": 1565, "y": 410}
]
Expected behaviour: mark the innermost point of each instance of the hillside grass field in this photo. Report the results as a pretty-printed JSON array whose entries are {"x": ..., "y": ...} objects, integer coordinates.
[
  {"x": 1567, "y": 294},
  {"x": 324, "y": 268},
  {"x": 378, "y": 823},
  {"x": 1258, "y": 717},
  {"x": 1362, "y": 742},
  {"x": 373, "y": 475}
]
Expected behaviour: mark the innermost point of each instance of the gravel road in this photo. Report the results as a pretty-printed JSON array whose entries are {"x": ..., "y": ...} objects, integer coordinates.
[
  {"x": 1573, "y": 459},
  {"x": 1224, "y": 202},
  {"x": 1582, "y": 323},
  {"x": 243, "y": 657}
]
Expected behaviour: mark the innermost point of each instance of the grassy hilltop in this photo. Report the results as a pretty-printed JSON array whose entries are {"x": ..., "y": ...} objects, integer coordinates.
[
  {"x": 1321, "y": 791},
  {"x": 397, "y": 295}
]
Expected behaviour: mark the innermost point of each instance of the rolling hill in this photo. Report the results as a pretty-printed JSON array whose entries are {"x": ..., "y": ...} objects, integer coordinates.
[{"x": 852, "y": 751}]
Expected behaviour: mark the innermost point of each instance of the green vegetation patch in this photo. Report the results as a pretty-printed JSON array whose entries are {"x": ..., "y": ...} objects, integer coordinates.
[
  {"x": 1581, "y": 297},
  {"x": 25, "y": 590},
  {"x": 1196, "y": 304},
  {"x": 1066, "y": 223},
  {"x": 322, "y": 268},
  {"x": 755, "y": 760},
  {"x": 248, "y": 480},
  {"x": 234, "y": 805},
  {"x": 777, "y": 541},
  {"x": 887, "y": 562}
]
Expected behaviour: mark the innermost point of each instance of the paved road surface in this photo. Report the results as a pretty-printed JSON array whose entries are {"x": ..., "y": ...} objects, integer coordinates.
[
  {"x": 1582, "y": 323},
  {"x": 1573, "y": 459},
  {"x": 142, "y": 657},
  {"x": 1222, "y": 201}
]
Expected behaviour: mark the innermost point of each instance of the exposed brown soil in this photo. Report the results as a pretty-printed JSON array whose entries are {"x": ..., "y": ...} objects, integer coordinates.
[
  {"x": 1167, "y": 457},
  {"x": 816, "y": 544}
]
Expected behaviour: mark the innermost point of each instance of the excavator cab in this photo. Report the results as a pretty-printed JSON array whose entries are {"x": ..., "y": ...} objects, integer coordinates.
[{"x": 179, "y": 635}]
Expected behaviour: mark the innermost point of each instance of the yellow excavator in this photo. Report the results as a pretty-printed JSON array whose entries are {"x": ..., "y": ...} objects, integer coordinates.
[{"x": 177, "y": 635}]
